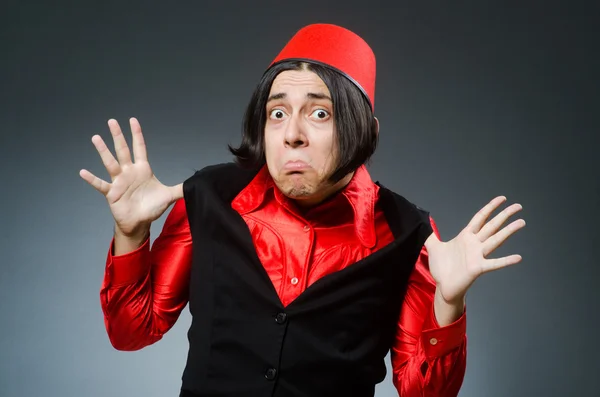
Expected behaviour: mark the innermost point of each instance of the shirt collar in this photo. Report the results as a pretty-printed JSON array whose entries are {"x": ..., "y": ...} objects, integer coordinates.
[{"x": 361, "y": 193}]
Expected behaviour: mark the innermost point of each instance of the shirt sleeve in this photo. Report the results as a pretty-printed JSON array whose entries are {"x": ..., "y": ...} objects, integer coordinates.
[
  {"x": 144, "y": 291},
  {"x": 427, "y": 360}
]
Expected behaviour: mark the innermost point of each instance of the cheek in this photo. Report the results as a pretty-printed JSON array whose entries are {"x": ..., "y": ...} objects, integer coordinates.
[
  {"x": 272, "y": 150},
  {"x": 268, "y": 142},
  {"x": 327, "y": 150}
]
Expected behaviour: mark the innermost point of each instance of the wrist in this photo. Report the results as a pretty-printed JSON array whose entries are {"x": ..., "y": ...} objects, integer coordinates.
[
  {"x": 138, "y": 233},
  {"x": 457, "y": 301},
  {"x": 125, "y": 243},
  {"x": 447, "y": 312}
]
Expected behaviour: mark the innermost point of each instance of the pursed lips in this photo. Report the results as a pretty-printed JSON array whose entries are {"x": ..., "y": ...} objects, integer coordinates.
[{"x": 296, "y": 166}]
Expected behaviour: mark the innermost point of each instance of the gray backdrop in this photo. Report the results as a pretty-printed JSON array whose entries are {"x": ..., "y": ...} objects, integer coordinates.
[{"x": 475, "y": 100}]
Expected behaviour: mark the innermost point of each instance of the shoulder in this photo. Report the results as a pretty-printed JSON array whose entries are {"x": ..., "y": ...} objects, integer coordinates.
[
  {"x": 404, "y": 214},
  {"x": 224, "y": 179},
  {"x": 401, "y": 202},
  {"x": 215, "y": 171}
]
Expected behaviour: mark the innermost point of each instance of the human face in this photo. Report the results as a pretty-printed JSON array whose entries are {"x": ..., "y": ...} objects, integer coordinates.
[{"x": 299, "y": 137}]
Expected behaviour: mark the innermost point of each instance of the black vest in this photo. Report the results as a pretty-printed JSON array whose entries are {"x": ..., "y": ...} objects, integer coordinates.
[{"x": 330, "y": 341}]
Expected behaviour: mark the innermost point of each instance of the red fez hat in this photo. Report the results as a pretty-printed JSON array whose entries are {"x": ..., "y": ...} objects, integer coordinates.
[{"x": 337, "y": 48}]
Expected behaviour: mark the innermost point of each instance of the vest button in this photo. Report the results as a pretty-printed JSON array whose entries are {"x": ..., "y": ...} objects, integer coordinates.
[
  {"x": 280, "y": 318},
  {"x": 271, "y": 373}
]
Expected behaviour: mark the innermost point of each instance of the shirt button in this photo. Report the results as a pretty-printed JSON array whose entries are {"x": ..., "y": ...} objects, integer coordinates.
[
  {"x": 280, "y": 318},
  {"x": 433, "y": 341},
  {"x": 306, "y": 228},
  {"x": 271, "y": 373},
  {"x": 294, "y": 280}
]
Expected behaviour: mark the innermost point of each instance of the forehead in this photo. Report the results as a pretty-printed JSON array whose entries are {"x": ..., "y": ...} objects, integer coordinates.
[{"x": 304, "y": 80}]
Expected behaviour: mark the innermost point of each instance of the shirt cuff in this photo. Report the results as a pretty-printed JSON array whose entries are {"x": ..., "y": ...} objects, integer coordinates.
[
  {"x": 438, "y": 341},
  {"x": 130, "y": 267}
]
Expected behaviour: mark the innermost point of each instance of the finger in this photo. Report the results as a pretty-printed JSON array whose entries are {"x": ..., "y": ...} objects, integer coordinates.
[
  {"x": 499, "y": 238},
  {"x": 111, "y": 165},
  {"x": 121, "y": 147},
  {"x": 492, "y": 226},
  {"x": 139, "y": 146},
  {"x": 97, "y": 183},
  {"x": 499, "y": 263},
  {"x": 483, "y": 214}
]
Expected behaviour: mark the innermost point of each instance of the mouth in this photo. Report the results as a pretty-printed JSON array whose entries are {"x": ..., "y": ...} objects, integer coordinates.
[{"x": 295, "y": 167}]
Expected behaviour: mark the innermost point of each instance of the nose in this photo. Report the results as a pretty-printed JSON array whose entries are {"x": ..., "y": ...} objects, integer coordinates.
[{"x": 294, "y": 133}]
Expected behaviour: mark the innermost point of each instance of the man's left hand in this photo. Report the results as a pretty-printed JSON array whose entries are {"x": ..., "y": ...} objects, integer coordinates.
[{"x": 456, "y": 264}]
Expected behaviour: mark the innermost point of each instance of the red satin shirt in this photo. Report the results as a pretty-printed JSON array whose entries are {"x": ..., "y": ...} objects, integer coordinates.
[{"x": 144, "y": 291}]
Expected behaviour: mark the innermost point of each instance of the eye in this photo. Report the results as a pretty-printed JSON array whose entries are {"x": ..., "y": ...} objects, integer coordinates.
[
  {"x": 277, "y": 114},
  {"x": 321, "y": 114}
]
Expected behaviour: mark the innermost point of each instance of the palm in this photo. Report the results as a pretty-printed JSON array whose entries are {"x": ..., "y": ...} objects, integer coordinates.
[
  {"x": 135, "y": 196},
  {"x": 456, "y": 264}
]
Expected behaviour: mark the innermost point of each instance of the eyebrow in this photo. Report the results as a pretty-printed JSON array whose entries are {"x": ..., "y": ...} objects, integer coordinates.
[{"x": 311, "y": 95}]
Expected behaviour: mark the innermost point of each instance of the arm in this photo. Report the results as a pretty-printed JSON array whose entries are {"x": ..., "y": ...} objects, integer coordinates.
[
  {"x": 428, "y": 359},
  {"x": 144, "y": 291}
]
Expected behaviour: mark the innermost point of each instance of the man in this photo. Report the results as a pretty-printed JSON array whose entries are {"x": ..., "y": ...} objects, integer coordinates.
[{"x": 301, "y": 273}]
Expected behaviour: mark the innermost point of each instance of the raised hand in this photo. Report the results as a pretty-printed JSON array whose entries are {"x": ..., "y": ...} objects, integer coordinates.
[
  {"x": 135, "y": 196},
  {"x": 456, "y": 264}
]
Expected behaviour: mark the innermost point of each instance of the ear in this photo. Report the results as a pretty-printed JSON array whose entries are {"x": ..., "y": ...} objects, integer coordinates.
[{"x": 377, "y": 121}]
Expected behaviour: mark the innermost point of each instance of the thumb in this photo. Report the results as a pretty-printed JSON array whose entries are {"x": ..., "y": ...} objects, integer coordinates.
[{"x": 176, "y": 192}]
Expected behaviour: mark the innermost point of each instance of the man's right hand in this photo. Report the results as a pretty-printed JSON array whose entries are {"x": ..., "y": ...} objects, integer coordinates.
[{"x": 135, "y": 196}]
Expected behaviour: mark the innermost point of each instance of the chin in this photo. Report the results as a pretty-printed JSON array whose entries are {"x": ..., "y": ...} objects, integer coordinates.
[
  {"x": 299, "y": 194},
  {"x": 298, "y": 191},
  {"x": 296, "y": 185}
]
